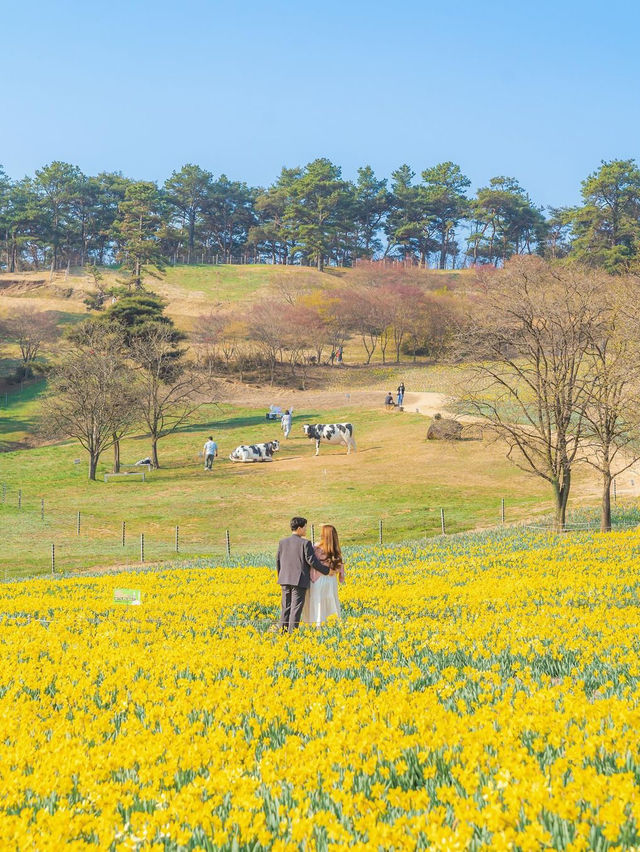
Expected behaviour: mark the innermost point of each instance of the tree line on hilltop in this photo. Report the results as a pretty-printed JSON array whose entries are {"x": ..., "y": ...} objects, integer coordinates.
[{"x": 310, "y": 215}]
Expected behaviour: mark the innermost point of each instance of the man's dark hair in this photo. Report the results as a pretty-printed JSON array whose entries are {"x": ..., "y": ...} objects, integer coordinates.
[
  {"x": 211, "y": 437},
  {"x": 298, "y": 523}
]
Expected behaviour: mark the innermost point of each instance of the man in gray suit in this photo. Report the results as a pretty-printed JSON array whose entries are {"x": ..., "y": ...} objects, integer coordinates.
[{"x": 295, "y": 559}]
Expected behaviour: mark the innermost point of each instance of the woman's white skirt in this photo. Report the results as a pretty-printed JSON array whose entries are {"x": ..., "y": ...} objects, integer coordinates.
[{"x": 321, "y": 601}]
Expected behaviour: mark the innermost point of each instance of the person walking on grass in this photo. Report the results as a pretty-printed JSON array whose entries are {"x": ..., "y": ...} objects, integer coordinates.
[
  {"x": 285, "y": 423},
  {"x": 295, "y": 559},
  {"x": 210, "y": 452}
]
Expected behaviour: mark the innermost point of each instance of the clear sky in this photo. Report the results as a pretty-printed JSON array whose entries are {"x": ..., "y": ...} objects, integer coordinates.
[{"x": 540, "y": 91}]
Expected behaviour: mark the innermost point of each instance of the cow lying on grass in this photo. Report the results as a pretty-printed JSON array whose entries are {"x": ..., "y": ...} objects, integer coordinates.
[
  {"x": 255, "y": 452},
  {"x": 335, "y": 433}
]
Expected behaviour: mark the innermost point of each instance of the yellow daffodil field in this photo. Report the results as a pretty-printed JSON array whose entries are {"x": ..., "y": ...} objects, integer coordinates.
[{"x": 481, "y": 692}]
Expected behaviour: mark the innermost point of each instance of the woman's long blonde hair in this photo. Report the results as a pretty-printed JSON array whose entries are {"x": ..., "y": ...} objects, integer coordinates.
[{"x": 331, "y": 546}]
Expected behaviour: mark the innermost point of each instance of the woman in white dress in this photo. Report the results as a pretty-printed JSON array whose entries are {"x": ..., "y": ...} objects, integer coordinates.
[{"x": 322, "y": 598}]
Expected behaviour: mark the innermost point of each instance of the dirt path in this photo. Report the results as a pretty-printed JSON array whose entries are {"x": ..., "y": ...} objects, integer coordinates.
[
  {"x": 426, "y": 403},
  {"x": 422, "y": 403},
  {"x": 430, "y": 404}
]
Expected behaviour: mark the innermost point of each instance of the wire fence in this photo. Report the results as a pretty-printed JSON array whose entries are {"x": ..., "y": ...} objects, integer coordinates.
[{"x": 40, "y": 538}]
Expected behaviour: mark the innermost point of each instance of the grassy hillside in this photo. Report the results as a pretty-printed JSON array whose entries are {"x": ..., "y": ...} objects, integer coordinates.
[
  {"x": 189, "y": 290},
  {"x": 396, "y": 476},
  {"x": 19, "y": 412}
]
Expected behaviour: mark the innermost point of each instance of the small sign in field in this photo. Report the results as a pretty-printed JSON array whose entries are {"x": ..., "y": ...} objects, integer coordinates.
[{"x": 130, "y": 597}]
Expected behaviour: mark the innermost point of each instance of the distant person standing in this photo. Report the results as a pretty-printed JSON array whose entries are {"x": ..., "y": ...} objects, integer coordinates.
[
  {"x": 339, "y": 355},
  {"x": 400, "y": 394},
  {"x": 210, "y": 452},
  {"x": 285, "y": 423}
]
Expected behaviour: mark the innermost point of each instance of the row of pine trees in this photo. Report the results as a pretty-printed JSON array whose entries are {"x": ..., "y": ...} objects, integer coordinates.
[{"x": 310, "y": 215}]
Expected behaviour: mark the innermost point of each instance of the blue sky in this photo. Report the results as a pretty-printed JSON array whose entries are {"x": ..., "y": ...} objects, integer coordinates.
[{"x": 538, "y": 91}]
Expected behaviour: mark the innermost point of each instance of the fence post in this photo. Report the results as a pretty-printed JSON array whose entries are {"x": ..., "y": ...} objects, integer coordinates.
[
  {"x": 313, "y": 534},
  {"x": 442, "y": 524},
  {"x": 141, "y": 547},
  {"x": 20, "y": 498},
  {"x": 4, "y": 491},
  {"x": 615, "y": 492},
  {"x": 177, "y": 539},
  {"x": 78, "y": 524},
  {"x": 502, "y": 510},
  {"x": 124, "y": 528},
  {"x": 53, "y": 558},
  {"x": 42, "y": 509},
  {"x": 228, "y": 540},
  {"x": 380, "y": 532}
]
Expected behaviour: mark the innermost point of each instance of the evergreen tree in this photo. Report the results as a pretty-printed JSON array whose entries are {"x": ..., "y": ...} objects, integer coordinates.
[
  {"x": 24, "y": 226},
  {"x": 229, "y": 216},
  {"x": 319, "y": 195},
  {"x": 110, "y": 189},
  {"x": 57, "y": 186},
  {"x": 372, "y": 201},
  {"x": 273, "y": 231},
  {"x": 5, "y": 196},
  {"x": 607, "y": 225},
  {"x": 504, "y": 222},
  {"x": 408, "y": 227},
  {"x": 138, "y": 227},
  {"x": 446, "y": 204},
  {"x": 187, "y": 192},
  {"x": 136, "y": 311}
]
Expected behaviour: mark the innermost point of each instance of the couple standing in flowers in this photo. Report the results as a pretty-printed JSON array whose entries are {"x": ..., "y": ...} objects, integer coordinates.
[{"x": 309, "y": 576}]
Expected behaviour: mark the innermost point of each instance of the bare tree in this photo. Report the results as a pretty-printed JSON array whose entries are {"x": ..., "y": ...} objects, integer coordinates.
[
  {"x": 169, "y": 390},
  {"x": 31, "y": 329},
  {"x": 366, "y": 315},
  {"x": 530, "y": 333},
  {"x": 208, "y": 337},
  {"x": 267, "y": 328},
  {"x": 290, "y": 288},
  {"x": 303, "y": 326},
  {"x": 91, "y": 394},
  {"x": 612, "y": 383}
]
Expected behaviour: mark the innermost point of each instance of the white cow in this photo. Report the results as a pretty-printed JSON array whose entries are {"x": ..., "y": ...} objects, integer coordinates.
[
  {"x": 255, "y": 452},
  {"x": 334, "y": 433}
]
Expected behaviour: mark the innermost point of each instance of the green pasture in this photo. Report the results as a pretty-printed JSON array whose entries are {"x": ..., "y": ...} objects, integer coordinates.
[
  {"x": 230, "y": 282},
  {"x": 396, "y": 477},
  {"x": 19, "y": 410}
]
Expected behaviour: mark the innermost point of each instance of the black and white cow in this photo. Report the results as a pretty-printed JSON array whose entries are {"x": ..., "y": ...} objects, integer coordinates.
[
  {"x": 335, "y": 433},
  {"x": 255, "y": 452}
]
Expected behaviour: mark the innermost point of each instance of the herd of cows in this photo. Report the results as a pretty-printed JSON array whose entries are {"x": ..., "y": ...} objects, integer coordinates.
[{"x": 333, "y": 433}]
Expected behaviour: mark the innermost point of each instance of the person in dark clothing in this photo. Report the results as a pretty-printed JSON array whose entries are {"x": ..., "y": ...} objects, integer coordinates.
[{"x": 296, "y": 557}]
